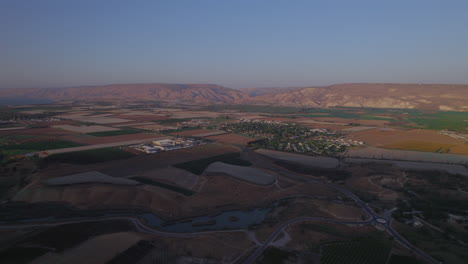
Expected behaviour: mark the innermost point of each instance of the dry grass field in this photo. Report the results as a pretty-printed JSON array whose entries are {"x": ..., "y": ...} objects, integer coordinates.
[
  {"x": 414, "y": 139},
  {"x": 422, "y": 146}
]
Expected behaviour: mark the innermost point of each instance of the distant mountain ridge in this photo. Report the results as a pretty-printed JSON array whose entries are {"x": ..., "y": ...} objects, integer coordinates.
[
  {"x": 446, "y": 97},
  {"x": 194, "y": 93}
]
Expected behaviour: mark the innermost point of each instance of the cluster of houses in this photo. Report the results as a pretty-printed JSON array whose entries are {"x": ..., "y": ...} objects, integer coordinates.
[{"x": 167, "y": 145}]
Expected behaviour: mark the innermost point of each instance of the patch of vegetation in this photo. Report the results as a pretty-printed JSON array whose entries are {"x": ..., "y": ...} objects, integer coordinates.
[
  {"x": 274, "y": 256},
  {"x": 114, "y": 133},
  {"x": 40, "y": 145},
  {"x": 198, "y": 166},
  {"x": 21, "y": 255},
  {"x": 457, "y": 121},
  {"x": 178, "y": 189},
  {"x": 360, "y": 251},
  {"x": 134, "y": 253},
  {"x": 89, "y": 156},
  {"x": 396, "y": 259}
]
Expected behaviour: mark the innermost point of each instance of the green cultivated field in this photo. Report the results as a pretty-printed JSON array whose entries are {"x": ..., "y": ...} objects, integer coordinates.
[
  {"x": 90, "y": 156},
  {"x": 115, "y": 133},
  {"x": 442, "y": 120},
  {"x": 8, "y": 148},
  {"x": 40, "y": 145},
  {"x": 198, "y": 166}
]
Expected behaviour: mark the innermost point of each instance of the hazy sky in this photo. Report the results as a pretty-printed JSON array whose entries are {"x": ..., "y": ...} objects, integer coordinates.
[{"x": 235, "y": 43}]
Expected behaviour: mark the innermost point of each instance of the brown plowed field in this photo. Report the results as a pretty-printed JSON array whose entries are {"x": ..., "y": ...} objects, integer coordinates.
[
  {"x": 191, "y": 132},
  {"x": 38, "y": 132},
  {"x": 91, "y": 140},
  {"x": 231, "y": 139}
]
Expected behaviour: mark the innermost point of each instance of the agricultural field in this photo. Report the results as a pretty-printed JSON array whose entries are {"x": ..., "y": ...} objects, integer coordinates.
[
  {"x": 411, "y": 139},
  {"x": 115, "y": 132},
  {"x": 421, "y": 146},
  {"x": 89, "y": 156},
  {"x": 85, "y": 129},
  {"x": 457, "y": 121},
  {"x": 10, "y": 150},
  {"x": 231, "y": 139}
]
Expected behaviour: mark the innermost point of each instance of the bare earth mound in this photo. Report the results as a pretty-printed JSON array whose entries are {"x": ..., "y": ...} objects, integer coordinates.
[
  {"x": 319, "y": 162},
  {"x": 252, "y": 175},
  {"x": 405, "y": 155},
  {"x": 89, "y": 177}
]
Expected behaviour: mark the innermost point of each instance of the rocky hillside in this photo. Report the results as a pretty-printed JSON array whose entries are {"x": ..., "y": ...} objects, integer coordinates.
[
  {"x": 425, "y": 96},
  {"x": 194, "y": 93}
]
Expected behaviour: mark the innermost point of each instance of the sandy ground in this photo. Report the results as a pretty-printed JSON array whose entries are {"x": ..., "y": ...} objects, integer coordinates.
[
  {"x": 320, "y": 162},
  {"x": 89, "y": 177},
  {"x": 231, "y": 139},
  {"x": 96, "y": 250},
  {"x": 249, "y": 174},
  {"x": 85, "y": 129}
]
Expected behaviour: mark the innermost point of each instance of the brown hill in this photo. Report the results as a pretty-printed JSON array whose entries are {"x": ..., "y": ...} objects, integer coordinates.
[
  {"x": 195, "y": 93},
  {"x": 422, "y": 96}
]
